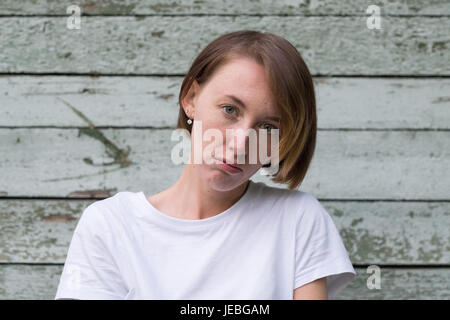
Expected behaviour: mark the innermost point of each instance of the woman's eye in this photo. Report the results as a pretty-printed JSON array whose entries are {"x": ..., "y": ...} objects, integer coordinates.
[
  {"x": 227, "y": 108},
  {"x": 231, "y": 108},
  {"x": 270, "y": 127}
]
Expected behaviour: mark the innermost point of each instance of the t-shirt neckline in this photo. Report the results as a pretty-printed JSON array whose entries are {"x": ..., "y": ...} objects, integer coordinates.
[{"x": 160, "y": 216}]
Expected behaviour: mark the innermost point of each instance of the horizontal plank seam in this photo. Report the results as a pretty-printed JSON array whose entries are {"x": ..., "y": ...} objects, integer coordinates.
[
  {"x": 166, "y": 75},
  {"x": 223, "y": 15},
  {"x": 394, "y": 266},
  {"x": 168, "y": 128},
  {"x": 5, "y": 198}
]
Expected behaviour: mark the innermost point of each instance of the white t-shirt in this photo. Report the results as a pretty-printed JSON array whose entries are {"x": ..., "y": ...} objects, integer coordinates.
[{"x": 271, "y": 241}]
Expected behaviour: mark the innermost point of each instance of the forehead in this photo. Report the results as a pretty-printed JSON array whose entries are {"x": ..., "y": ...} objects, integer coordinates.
[
  {"x": 244, "y": 78},
  {"x": 243, "y": 71}
]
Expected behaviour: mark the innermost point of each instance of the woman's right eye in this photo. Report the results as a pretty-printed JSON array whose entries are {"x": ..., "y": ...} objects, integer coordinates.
[{"x": 229, "y": 108}]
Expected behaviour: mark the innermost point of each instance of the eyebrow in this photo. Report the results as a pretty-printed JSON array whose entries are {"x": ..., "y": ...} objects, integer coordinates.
[{"x": 240, "y": 102}]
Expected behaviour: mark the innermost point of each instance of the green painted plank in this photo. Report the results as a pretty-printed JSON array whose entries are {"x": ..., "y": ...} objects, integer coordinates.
[
  {"x": 379, "y": 232},
  {"x": 56, "y": 162},
  {"x": 291, "y": 7},
  {"x": 86, "y": 155},
  {"x": 166, "y": 44},
  {"x": 350, "y": 103},
  {"x": 400, "y": 284},
  {"x": 26, "y": 282}
]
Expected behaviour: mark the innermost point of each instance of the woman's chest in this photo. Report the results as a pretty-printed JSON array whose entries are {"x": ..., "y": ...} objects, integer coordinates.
[{"x": 236, "y": 264}]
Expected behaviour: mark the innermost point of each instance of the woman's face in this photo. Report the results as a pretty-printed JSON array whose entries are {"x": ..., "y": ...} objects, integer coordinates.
[{"x": 212, "y": 107}]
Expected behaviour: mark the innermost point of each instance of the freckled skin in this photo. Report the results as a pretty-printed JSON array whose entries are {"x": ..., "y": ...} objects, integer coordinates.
[
  {"x": 246, "y": 79},
  {"x": 208, "y": 188}
]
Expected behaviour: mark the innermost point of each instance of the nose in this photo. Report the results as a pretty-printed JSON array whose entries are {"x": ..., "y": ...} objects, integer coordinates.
[{"x": 237, "y": 144}]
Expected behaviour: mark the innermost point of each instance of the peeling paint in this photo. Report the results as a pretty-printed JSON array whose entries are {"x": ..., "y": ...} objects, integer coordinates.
[
  {"x": 356, "y": 221},
  {"x": 96, "y": 193},
  {"x": 110, "y": 7},
  {"x": 163, "y": 7},
  {"x": 364, "y": 246},
  {"x": 422, "y": 46},
  {"x": 157, "y": 34},
  {"x": 440, "y": 45},
  {"x": 441, "y": 99},
  {"x": 94, "y": 91},
  {"x": 58, "y": 218},
  {"x": 88, "y": 6},
  {"x": 338, "y": 213},
  {"x": 120, "y": 156},
  {"x": 100, "y": 173},
  {"x": 166, "y": 96}
]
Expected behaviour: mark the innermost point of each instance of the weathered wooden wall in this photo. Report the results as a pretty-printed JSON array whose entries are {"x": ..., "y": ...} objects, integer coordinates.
[{"x": 382, "y": 162}]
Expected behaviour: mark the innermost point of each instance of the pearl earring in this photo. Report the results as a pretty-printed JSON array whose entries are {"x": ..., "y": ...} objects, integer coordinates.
[{"x": 189, "y": 121}]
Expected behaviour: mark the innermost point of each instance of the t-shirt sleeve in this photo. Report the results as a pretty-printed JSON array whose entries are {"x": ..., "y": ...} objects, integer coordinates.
[
  {"x": 90, "y": 271},
  {"x": 320, "y": 251}
]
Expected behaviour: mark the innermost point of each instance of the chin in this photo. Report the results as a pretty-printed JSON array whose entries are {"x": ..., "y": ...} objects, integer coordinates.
[{"x": 223, "y": 182}]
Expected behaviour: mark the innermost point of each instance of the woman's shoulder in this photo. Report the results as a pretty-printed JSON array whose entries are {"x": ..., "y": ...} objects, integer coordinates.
[
  {"x": 286, "y": 200},
  {"x": 308, "y": 212},
  {"x": 109, "y": 215},
  {"x": 114, "y": 205}
]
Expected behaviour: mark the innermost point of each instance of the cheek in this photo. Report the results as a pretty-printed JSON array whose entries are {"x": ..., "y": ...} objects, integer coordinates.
[{"x": 208, "y": 112}]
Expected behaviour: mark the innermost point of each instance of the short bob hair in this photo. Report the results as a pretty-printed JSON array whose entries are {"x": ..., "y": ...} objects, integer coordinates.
[{"x": 291, "y": 84}]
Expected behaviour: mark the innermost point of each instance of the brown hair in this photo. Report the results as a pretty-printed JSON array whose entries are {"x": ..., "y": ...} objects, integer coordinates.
[{"x": 291, "y": 84}]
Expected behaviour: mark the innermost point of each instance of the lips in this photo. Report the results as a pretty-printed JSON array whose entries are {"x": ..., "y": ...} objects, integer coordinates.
[{"x": 232, "y": 165}]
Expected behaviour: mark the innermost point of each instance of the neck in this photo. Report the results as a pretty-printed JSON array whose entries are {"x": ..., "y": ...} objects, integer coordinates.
[{"x": 195, "y": 198}]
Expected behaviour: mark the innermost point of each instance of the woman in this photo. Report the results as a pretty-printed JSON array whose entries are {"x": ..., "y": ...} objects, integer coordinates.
[{"x": 215, "y": 234}]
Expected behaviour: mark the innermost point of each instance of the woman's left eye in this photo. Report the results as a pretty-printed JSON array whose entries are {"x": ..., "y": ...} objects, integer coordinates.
[
  {"x": 228, "y": 108},
  {"x": 271, "y": 127}
]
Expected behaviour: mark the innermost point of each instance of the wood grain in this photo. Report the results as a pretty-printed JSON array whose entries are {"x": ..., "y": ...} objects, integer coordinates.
[
  {"x": 342, "y": 103},
  {"x": 40, "y": 282},
  {"x": 167, "y": 45},
  {"x": 220, "y": 7},
  {"x": 397, "y": 165},
  {"x": 378, "y": 232},
  {"x": 88, "y": 113}
]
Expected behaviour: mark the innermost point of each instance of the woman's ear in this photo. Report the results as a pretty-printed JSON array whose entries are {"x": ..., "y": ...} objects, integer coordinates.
[{"x": 189, "y": 100}]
